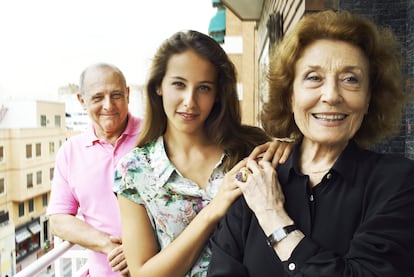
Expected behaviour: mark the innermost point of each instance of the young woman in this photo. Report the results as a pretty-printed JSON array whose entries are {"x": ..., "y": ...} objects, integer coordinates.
[{"x": 180, "y": 180}]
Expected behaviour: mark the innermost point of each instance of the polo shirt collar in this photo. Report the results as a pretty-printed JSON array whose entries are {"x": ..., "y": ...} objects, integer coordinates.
[
  {"x": 132, "y": 127},
  {"x": 90, "y": 137},
  {"x": 130, "y": 130}
]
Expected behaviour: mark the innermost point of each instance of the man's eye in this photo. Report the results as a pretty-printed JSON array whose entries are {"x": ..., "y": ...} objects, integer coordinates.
[
  {"x": 116, "y": 96},
  {"x": 97, "y": 98}
]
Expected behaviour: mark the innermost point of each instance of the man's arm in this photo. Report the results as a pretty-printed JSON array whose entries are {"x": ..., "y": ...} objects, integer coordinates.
[{"x": 69, "y": 227}]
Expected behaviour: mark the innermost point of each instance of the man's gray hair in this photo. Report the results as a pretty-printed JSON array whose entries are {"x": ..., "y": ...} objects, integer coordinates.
[{"x": 99, "y": 66}]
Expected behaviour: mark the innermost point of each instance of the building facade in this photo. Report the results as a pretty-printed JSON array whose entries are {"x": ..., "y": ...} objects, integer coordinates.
[{"x": 31, "y": 132}]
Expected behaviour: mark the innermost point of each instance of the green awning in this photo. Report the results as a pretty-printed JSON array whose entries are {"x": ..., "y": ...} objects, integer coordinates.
[
  {"x": 217, "y": 27},
  {"x": 218, "y": 22},
  {"x": 216, "y": 3}
]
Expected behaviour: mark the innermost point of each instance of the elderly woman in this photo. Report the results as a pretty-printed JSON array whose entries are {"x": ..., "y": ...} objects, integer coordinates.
[{"x": 334, "y": 208}]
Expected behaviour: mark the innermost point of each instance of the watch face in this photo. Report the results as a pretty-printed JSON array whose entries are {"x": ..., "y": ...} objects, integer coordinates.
[{"x": 280, "y": 234}]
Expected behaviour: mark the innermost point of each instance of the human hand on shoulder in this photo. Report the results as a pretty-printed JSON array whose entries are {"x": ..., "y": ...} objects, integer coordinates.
[{"x": 276, "y": 151}]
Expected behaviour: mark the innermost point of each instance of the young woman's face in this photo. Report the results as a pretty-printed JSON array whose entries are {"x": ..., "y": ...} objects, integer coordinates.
[
  {"x": 188, "y": 91},
  {"x": 330, "y": 91}
]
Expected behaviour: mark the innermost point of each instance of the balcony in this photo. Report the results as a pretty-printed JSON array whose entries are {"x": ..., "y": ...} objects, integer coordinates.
[
  {"x": 57, "y": 262},
  {"x": 246, "y": 10}
]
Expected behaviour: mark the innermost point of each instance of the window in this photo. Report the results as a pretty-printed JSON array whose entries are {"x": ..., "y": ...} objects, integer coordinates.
[
  {"x": 21, "y": 209},
  {"x": 38, "y": 177},
  {"x": 28, "y": 151},
  {"x": 43, "y": 120},
  {"x": 51, "y": 171},
  {"x": 31, "y": 205},
  {"x": 51, "y": 147},
  {"x": 29, "y": 180},
  {"x": 2, "y": 186},
  {"x": 57, "y": 121},
  {"x": 1, "y": 153},
  {"x": 44, "y": 200},
  {"x": 38, "y": 149}
]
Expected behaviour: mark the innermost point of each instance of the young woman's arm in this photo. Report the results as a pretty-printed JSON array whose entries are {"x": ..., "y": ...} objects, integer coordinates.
[
  {"x": 140, "y": 243},
  {"x": 276, "y": 151}
]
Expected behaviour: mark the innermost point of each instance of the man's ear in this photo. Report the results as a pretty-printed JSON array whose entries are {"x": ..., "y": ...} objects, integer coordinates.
[
  {"x": 81, "y": 100},
  {"x": 128, "y": 92}
]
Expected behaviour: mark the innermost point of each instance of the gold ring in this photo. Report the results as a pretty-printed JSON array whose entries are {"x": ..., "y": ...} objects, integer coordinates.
[{"x": 242, "y": 175}]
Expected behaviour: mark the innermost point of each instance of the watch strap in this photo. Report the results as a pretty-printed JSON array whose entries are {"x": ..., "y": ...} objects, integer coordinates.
[{"x": 280, "y": 234}]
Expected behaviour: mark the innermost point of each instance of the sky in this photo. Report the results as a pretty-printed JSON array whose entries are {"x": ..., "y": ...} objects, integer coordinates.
[{"x": 45, "y": 44}]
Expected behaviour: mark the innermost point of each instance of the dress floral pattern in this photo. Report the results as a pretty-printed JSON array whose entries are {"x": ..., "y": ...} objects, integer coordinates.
[{"x": 146, "y": 176}]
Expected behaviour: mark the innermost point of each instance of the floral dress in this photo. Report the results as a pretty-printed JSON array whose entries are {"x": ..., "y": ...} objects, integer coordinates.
[{"x": 146, "y": 176}]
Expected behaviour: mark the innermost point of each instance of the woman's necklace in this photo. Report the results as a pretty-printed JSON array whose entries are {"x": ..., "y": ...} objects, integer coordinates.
[{"x": 319, "y": 171}]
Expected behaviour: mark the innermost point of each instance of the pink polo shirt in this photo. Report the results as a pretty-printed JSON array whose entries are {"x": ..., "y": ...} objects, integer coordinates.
[{"x": 84, "y": 179}]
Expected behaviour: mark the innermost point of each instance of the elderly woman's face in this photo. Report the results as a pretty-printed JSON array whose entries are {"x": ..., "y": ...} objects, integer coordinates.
[{"x": 330, "y": 91}]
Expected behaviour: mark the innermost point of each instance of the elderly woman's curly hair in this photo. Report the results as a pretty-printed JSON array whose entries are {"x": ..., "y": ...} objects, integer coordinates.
[{"x": 382, "y": 51}]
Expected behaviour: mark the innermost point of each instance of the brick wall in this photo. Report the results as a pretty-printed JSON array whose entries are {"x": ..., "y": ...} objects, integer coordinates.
[
  {"x": 399, "y": 16},
  {"x": 409, "y": 149}
]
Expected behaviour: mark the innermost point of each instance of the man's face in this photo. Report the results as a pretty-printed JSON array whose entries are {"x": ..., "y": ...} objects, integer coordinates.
[{"x": 106, "y": 99}]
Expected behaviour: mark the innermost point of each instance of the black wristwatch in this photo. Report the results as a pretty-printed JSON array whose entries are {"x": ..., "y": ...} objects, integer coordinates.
[{"x": 280, "y": 234}]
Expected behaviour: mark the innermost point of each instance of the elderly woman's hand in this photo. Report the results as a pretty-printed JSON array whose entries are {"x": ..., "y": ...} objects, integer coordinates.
[{"x": 264, "y": 195}]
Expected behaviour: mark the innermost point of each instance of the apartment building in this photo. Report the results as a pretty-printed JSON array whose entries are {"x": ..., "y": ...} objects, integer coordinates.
[
  {"x": 237, "y": 38},
  {"x": 31, "y": 132}
]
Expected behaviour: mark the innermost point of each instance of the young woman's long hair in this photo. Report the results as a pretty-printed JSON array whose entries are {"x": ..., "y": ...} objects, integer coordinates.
[{"x": 223, "y": 125}]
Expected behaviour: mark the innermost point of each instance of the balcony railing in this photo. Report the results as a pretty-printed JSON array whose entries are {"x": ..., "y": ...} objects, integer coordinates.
[{"x": 62, "y": 250}]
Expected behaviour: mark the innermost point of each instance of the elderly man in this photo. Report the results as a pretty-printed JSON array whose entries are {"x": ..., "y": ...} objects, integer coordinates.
[{"x": 84, "y": 171}]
